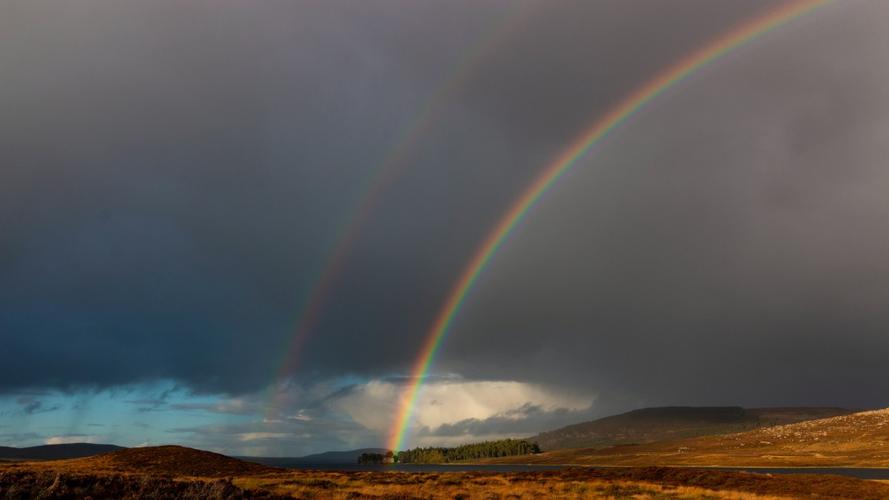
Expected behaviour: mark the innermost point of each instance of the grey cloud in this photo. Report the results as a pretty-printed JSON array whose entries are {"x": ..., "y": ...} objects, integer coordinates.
[
  {"x": 14, "y": 438},
  {"x": 284, "y": 438},
  {"x": 523, "y": 421},
  {"x": 723, "y": 248},
  {"x": 175, "y": 175},
  {"x": 29, "y": 405}
]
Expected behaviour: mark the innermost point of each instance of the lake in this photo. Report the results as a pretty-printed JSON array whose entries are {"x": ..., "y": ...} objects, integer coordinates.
[{"x": 861, "y": 473}]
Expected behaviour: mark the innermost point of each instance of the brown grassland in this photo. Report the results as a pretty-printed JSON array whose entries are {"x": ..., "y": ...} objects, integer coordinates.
[
  {"x": 650, "y": 425},
  {"x": 855, "y": 440},
  {"x": 177, "y": 472}
]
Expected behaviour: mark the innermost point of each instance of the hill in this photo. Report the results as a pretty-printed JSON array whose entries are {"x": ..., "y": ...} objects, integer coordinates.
[
  {"x": 854, "y": 440},
  {"x": 167, "y": 461},
  {"x": 56, "y": 451},
  {"x": 649, "y": 425},
  {"x": 326, "y": 458}
]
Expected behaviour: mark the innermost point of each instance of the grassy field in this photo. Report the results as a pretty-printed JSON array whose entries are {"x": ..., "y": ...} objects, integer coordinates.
[
  {"x": 662, "y": 483},
  {"x": 649, "y": 425},
  {"x": 855, "y": 440},
  {"x": 177, "y": 472}
]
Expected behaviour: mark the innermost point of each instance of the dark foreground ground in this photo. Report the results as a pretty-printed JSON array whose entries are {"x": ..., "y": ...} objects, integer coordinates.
[
  {"x": 662, "y": 483},
  {"x": 176, "y": 472}
]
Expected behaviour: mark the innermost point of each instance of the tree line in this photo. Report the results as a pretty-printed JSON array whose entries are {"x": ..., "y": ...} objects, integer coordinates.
[
  {"x": 377, "y": 458},
  {"x": 487, "y": 449}
]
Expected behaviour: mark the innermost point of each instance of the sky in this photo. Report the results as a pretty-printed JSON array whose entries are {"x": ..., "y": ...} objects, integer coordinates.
[{"x": 176, "y": 174}]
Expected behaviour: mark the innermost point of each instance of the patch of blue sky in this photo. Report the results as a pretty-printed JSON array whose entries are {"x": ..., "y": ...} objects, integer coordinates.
[{"x": 131, "y": 415}]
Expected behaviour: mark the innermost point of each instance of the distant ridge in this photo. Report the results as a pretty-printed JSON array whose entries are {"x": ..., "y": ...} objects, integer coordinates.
[
  {"x": 853, "y": 440},
  {"x": 648, "y": 425},
  {"x": 326, "y": 458},
  {"x": 56, "y": 451}
]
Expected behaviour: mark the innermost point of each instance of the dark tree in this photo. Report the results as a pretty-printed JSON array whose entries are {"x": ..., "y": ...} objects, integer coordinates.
[
  {"x": 487, "y": 449},
  {"x": 370, "y": 458}
]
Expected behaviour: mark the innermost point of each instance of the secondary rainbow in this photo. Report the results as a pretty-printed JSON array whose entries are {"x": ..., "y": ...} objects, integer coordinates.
[
  {"x": 562, "y": 163},
  {"x": 392, "y": 166}
]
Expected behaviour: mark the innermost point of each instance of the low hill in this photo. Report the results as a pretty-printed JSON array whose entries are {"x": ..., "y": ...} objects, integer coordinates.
[
  {"x": 650, "y": 425},
  {"x": 854, "y": 440},
  {"x": 326, "y": 458},
  {"x": 169, "y": 461},
  {"x": 56, "y": 451}
]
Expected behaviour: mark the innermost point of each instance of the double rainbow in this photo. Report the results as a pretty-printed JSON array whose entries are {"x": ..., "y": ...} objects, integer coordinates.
[
  {"x": 382, "y": 177},
  {"x": 621, "y": 112}
]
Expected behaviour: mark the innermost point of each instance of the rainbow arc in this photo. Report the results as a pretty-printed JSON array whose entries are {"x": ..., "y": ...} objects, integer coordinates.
[{"x": 551, "y": 173}]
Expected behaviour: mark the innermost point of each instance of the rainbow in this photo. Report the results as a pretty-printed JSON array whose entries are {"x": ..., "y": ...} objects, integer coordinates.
[
  {"x": 618, "y": 114},
  {"x": 380, "y": 179}
]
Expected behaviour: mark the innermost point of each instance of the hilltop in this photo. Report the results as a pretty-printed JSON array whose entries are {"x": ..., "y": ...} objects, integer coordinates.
[
  {"x": 130, "y": 473},
  {"x": 649, "y": 425},
  {"x": 854, "y": 440}
]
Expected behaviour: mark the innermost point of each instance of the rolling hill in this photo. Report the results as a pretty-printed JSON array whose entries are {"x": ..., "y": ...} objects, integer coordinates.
[
  {"x": 170, "y": 460},
  {"x": 649, "y": 425},
  {"x": 854, "y": 440},
  {"x": 130, "y": 473}
]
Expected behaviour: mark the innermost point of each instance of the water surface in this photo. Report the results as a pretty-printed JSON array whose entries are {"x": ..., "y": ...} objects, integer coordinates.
[{"x": 861, "y": 473}]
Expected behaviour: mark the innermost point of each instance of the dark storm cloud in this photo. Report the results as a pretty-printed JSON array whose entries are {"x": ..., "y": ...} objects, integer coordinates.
[
  {"x": 175, "y": 173},
  {"x": 728, "y": 246},
  {"x": 497, "y": 136}
]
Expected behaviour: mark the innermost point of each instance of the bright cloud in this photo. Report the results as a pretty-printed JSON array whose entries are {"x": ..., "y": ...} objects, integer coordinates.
[
  {"x": 449, "y": 402},
  {"x": 254, "y": 436},
  {"x": 73, "y": 438}
]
